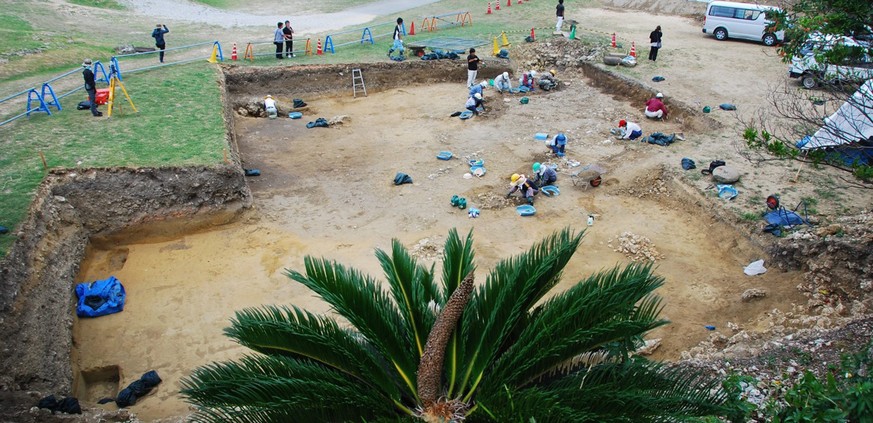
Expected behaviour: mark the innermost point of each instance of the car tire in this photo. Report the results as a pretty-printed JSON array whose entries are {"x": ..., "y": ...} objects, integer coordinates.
[
  {"x": 808, "y": 81},
  {"x": 720, "y": 34},
  {"x": 769, "y": 40}
]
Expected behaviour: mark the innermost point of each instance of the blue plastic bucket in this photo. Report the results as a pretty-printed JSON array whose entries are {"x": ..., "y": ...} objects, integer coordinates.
[
  {"x": 295, "y": 115},
  {"x": 542, "y": 136},
  {"x": 526, "y": 210}
]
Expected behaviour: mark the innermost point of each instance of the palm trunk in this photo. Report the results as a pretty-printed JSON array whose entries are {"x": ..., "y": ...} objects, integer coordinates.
[{"x": 431, "y": 365}]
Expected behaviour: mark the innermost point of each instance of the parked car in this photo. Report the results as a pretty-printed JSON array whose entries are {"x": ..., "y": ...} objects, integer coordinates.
[
  {"x": 725, "y": 19},
  {"x": 813, "y": 70}
]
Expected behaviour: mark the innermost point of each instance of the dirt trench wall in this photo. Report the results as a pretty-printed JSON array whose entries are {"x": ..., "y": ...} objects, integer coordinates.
[
  {"x": 627, "y": 89},
  {"x": 247, "y": 83},
  {"x": 72, "y": 208}
]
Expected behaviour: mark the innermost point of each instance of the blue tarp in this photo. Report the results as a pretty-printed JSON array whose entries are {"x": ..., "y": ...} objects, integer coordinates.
[
  {"x": 100, "y": 298},
  {"x": 784, "y": 217}
]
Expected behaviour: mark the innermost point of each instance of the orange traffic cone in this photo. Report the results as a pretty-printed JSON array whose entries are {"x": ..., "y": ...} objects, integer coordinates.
[
  {"x": 497, "y": 5},
  {"x": 489, "y": 9},
  {"x": 318, "y": 49},
  {"x": 533, "y": 36},
  {"x": 412, "y": 28},
  {"x": 633, "y": 51},
  {"x": 613, "y": 40},
  {"x": 233, "y": 53},
  {"x": 508, "y": 3}
]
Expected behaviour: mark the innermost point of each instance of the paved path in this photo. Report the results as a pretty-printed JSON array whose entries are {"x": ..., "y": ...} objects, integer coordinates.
[{"x": 185, "y": 10}]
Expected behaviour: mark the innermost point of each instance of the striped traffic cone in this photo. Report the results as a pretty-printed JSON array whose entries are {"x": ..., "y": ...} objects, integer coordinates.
[
  {"x": 233, "y": 53},
  {"x": 633, "y": 52},
  {"x": 489, "y": 9},
  {"x": 318, "y": 49},
  {"x": 613, "y": 40}
]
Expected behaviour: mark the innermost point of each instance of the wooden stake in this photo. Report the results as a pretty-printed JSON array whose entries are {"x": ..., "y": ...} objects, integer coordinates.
[
  {"x": 44, "y": 164},
  {"x": 225, "y": 156},
  {"x": 797, "y": 175}
]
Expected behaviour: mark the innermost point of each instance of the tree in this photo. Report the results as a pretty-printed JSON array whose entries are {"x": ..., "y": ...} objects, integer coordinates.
[
  {"x": 446, "y": 351},
  {"x": 831, "y": 32}
]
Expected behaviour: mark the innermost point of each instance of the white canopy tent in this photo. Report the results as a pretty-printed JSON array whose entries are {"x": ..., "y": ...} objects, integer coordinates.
[{"x": 852, "y": 122}]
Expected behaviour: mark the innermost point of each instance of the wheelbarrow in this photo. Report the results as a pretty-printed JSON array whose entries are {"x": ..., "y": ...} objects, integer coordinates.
[{"x": 588, "y": 174}]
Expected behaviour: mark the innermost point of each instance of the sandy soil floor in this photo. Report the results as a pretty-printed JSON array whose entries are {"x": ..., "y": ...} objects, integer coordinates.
[{"x": 328, "y": 192}]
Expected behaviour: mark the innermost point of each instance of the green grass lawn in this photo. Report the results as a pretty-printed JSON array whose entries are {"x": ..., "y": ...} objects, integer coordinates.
[
  {"x": 104, "y": 4},
  {"x": 16, "y": 34},
  {"x": 179, "y": 123}
]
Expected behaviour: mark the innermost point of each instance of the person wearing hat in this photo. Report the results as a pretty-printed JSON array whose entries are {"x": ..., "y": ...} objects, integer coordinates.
[
  {"x": 158, "y": 35},
  {"x": 474, "y": 102},
  {"x": 270, "y": 107},
  {"x": 527, "y": 79},
  {"x": 90, "y": 86},
  {"x": 472, "y": 67},
  {"x": 479, "y": 88},
  {"x": 502, "y": 82},
  {"x": 548, "y": 81},
  {"x": 558, "y": 144},
  {"x": 629, "y": 130},
  {"x": 524, "y": 185},
  {"x": 655, "y": 108},
  {"x": 545, "y": 174}
]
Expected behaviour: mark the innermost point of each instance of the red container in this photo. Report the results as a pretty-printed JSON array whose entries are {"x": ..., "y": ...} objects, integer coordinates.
[{"x": 102, "y": 96}]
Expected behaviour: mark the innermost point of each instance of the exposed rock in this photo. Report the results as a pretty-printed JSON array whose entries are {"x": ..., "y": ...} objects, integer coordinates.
[
  {"x": 753, "y": 294},
  {"x": 725, "y": 175}
]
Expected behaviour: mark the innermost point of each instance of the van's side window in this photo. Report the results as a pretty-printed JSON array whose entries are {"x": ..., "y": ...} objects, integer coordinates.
[
  {"x": 722, "y": 11},
  {"x": 750, "y": 15}
]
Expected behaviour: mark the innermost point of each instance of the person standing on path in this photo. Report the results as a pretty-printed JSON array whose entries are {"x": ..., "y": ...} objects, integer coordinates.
[
  {"x": 655, "y": 39},
  {"x": 158, "y": 35},
  {"x": 398, "y": 41},
  {"x": 288, "y": 32},
  {"x": 472, "y": 67},
  {"x": 279, "y": 39},
  {"x": 559, "y": 12},
  {"x": 90, "y": 86}
]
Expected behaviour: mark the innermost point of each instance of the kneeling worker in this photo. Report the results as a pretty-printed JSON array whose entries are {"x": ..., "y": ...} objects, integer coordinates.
[
  {"x": 558, "y": 144},
  {"x": 528, "y": 79},
  {"x": 474, "y": 102},
  {"x": 270, "y": 107},
  {"x": 655, "y": 108},
  {"x": 548, "y": 81},
  {"x": 478, "y": 88},
  {"x": 629, "y": 130},
  {"x": 502, "y": 82},
  {"x": 527, "y": 187},
  {"x": 545, "y": 174}
]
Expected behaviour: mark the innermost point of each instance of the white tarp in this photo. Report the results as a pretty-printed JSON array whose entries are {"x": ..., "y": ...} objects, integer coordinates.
[{"x": 852, "y": 122}]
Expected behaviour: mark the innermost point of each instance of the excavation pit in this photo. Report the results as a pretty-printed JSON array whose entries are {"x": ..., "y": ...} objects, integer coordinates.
[{"x": 328, "y": 192}]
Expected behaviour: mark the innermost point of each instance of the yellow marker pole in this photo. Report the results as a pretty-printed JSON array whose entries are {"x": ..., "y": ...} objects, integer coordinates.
[{"x": 496, "y": 48}]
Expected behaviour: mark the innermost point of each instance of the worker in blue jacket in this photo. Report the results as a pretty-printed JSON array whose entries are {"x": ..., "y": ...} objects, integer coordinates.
[{"x": 158, "y": 35}]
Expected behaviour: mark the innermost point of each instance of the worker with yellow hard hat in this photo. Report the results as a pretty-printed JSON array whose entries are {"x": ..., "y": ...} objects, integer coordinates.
[
  {"x": 521, "y": 183},
  {"x": 547, "y": 81}
]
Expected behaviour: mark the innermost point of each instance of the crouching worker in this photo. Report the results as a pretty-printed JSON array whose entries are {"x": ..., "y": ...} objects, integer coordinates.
[
  {"x": 474, "y": 103},
  {"x": 270, "y": 107},
  {"x": 548, "y": 82},
  {"x": 629, "y": 130},
  {"x": 527, "y": 187},
  {"x": 502, "y": 82},
  {"x": 528, "y": 79},
  {"x": 655, "y": 108},
  {"x": 558, "y": 144},
  {"x": 478, "y": 88},
  {"x": 545, "y": 175}
]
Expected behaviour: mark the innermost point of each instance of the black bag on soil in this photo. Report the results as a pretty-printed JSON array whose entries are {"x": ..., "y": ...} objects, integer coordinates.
[
  {"x": 67, "y": 405},
  {"x": 134, "y": 391}
]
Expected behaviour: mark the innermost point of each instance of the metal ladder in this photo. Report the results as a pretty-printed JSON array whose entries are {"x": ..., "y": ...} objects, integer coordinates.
[{"x": 358, "y": 79}]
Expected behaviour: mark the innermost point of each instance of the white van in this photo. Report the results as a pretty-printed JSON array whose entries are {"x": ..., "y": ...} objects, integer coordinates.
[{"x": 725, "y": 19}]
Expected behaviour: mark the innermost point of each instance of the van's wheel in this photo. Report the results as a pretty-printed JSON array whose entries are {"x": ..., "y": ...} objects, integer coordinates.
[
  {"x": 769, "y": 40},
  {"x": 720, "y": 34},
  {"x": 809, "y": 82}
]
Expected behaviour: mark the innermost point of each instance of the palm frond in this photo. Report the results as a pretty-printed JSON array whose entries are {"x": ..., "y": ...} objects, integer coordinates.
[
  {"x": 297, "y": 333},
  {"x": 502, "y": 303},
  {"x": 368, "y": 308},
  {"x": 259, "y": 388},
  {"x": 413, "y": 288},
  {"x": 611, "y": 306},
  {"x": 534, "y": 404},
  {"x": 643, "y": 391}
]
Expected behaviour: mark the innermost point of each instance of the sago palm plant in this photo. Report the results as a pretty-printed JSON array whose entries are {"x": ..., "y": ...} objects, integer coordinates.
[{"x": 414, "y": 348}]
